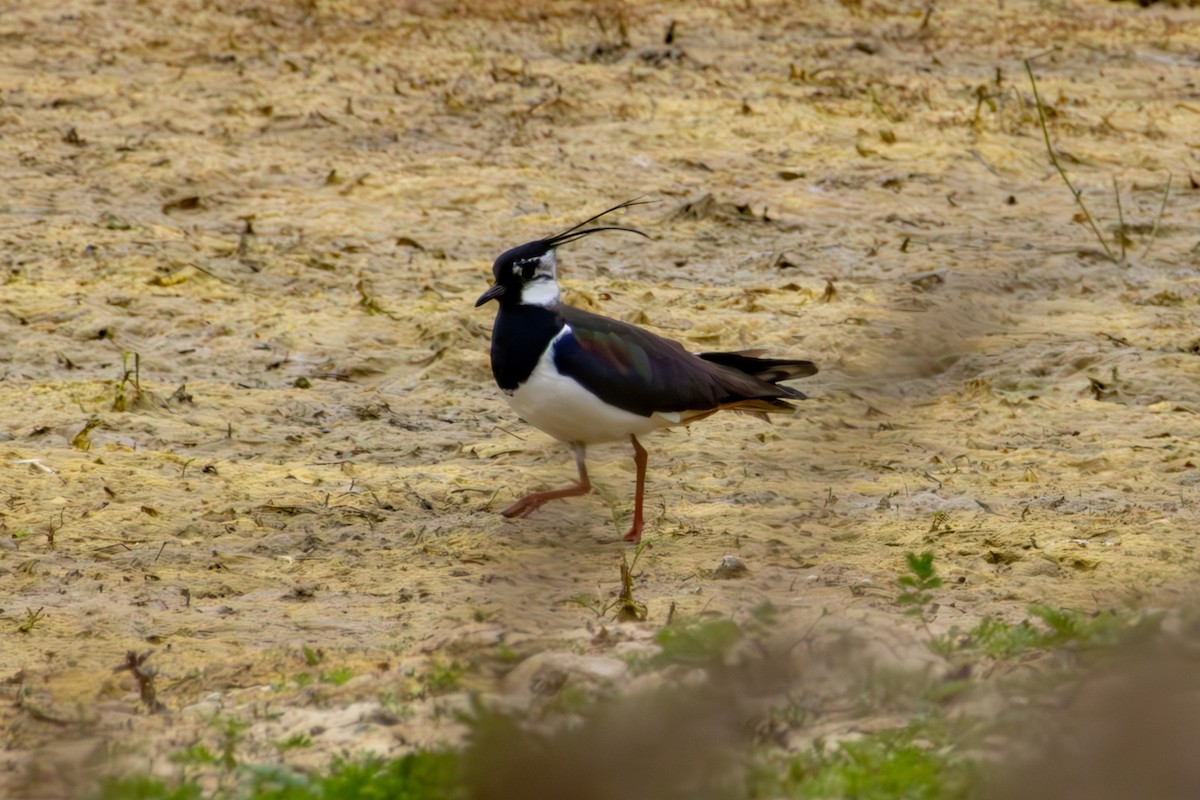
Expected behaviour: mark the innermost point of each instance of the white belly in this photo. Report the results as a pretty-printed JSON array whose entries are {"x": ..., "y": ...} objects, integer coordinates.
[{"x": 561, "y": 407}]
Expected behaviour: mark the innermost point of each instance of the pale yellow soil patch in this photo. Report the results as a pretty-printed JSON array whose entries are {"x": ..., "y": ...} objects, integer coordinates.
[{"x": 229, "y": 190}]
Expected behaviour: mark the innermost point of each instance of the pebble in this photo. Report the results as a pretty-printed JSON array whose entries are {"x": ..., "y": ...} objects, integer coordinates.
[
  {"x": 544, "y": 674},
  {"x": 730, "y": 567}
]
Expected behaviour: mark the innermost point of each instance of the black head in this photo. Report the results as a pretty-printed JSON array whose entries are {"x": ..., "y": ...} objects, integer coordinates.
[{"x": 534, "y": 265}]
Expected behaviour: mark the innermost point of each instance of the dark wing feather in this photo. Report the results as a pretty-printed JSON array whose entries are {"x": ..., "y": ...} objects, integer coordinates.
[
  {"x": 771, "y": 370},
  {"x": 640, "y": 371}
]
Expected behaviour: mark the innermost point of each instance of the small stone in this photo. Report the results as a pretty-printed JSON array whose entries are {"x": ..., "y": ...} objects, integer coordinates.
[
  {"x": 730, "y": 567},
  {"x": 1037, "y": 567},
  {"x": 545, "y": 674},
  {"x": 861, "y": 586}
]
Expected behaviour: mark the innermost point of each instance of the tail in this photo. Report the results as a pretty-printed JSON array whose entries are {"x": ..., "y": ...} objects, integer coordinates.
[{"x": 771, "y": 370}]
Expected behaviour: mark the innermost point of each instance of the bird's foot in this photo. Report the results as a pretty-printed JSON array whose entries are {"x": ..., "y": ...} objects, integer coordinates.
[
  {"x": 635, "y": 532},
  {"x": 525, "y": 506},
  {"x": 535, "y": 500}
]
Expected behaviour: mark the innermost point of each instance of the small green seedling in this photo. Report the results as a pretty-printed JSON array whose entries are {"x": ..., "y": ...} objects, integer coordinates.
[
  {"x": 296, "y": 741},
  {"x": 628, "y": 608},
  {"x": 82, "y": 440},
  {"x": 31, "y": 618},
  {"x": 444, "y": 677},
  {"x": 916, "y": 587},
  {"x": 697, "y": 643},
  {"x": 129, "y": 377},
  {"x": 312, "y": 657},
  {"x": 337, "y": 676}
]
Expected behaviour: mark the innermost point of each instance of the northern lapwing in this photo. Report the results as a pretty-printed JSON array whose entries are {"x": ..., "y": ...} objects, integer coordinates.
[{"x": 584, "y": 378}]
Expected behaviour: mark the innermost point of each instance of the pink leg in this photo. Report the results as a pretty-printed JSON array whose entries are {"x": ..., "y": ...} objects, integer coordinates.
[
  {"x": 533, "y": 501},
  {"x": 639, "y": 458}
]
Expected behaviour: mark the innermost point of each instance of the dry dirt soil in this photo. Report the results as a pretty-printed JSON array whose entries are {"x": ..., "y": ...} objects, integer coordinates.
[{"x": 248, "y": 419}]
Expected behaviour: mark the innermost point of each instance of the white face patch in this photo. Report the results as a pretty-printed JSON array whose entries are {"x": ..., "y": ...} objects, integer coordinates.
[
  {"x": 547, "y": 265},
  {"x": 542, "y": 288},
  {"x": 541, "y": 291}
]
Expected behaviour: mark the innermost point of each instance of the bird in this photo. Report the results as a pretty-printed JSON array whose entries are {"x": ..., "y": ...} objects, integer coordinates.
[{"x": 584, "y": 378}]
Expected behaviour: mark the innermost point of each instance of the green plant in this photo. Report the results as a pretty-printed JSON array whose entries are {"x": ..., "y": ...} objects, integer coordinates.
[
  {"x": 444, "y": 677},
  {"x": 395, "y": 704},
  {"x": 696, "y": 643},
  {"x": 506, "y": 654},
  {"x": 907, "y": 763},
  {"x": 764, "y": 615},
  {"x": 1046, "y": 628},
  {"x": 612, "y": 500},
  {"x": 572, "y": 699},
  {"x": 917, "y": 585},
  {"x": 423, "y": 775},
  {"x": 31, "y": 618},
  {"x": 337, "y": 676},
  {"x": 993, "y": 637},
  {"x": 294, "y": 742},
  {"x": 129, "y": 377},
  {"x": 82, "y": 440},
  {"x": 597, "y": 605},
  {"x": 1064, "y": 627},
  {"x": 1078, "y": 193},
  {"x": 628, "y": 608},
  {"x": 230, "y": 732},
  {"x": 145, "y": 787}
]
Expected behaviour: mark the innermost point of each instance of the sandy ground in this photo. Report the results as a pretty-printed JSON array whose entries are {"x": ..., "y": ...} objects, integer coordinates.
[{"x": 287, "y": 210}]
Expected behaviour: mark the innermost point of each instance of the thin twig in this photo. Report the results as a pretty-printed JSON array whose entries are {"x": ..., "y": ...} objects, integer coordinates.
[
  {"x": 1054, "y": 48},
  {"x": 144, "y": 674},
  {"x": 1076, "y": 193},
  {"x": 1157, "y": 219},
  {"x": 1120, "y": 216}
]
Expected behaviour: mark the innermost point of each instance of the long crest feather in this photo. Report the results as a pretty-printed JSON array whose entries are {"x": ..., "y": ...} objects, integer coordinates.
[
  {"x": 572, "y": 233},
  {"x": 560, "y": 240}
]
